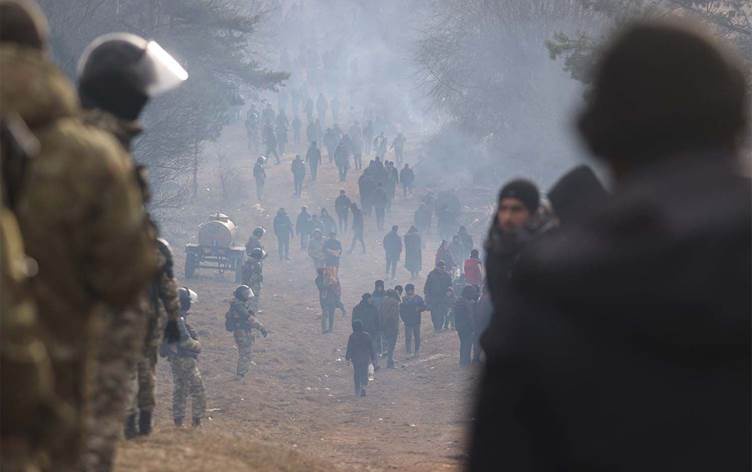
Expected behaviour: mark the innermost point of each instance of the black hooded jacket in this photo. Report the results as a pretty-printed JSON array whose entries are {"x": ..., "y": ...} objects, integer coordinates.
[{"x": 623, "y": 342}]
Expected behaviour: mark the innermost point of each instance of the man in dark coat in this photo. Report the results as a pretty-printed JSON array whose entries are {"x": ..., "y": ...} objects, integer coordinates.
[
  {"x": 366, "y": 187},
  {"x": 332, "y": 250},
  {"x": 435, "y": 290},
  {"x": 367, "y": 313},
  {"x": 360, "y": 353},
  {"x": 389, "y": 324},
  {"x": 298, "y": 174},
  {"x": 303, "y": 227},
  {"x": 393, "y": 251},
  {"x": 342, "y": 208},
  {"x": 407, "y": 179},
  {"x": 413, "y": 252},
  {"x": 380, "y": 202},
  {"x": 342, "y": 158},
  {"x": 411, "y": 309},
  {"x": 313, "y": 158},
  {"x": 283, "y": 230},
  {"x": 464, "y": 322},
  {"x": 357, "y": 228},
  {"x": 622, "y": 341}
]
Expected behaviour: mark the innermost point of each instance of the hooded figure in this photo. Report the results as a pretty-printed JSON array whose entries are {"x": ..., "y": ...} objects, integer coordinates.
[
  {"x": 635, "y": 318},
  {"x": 413, "y": 252}
]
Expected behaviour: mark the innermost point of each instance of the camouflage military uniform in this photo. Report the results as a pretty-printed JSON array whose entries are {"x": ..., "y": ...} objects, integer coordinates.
[
  {"x": 163, "y": 304},
  {"x": 186, "y": 378},
  {"x": 30, "y": 414},
  {"x": 121, "y": 346},
  {"x": 253, "y": 276},
  {"x": 82, "y": 219},
  {"x": 242, "y": 322}
]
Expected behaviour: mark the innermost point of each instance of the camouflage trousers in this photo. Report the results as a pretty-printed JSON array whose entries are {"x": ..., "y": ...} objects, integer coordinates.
[
  {"x": 255, "y": 302},
  {"x": 117, "y": 352},
  {"x": 244, "y": 342},
  {"x": 144, "y": 383},
  {"x": 187, "y": 381}
]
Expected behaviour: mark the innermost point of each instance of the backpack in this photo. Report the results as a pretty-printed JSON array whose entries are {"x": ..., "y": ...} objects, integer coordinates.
[{"x": 229, "y": 321}]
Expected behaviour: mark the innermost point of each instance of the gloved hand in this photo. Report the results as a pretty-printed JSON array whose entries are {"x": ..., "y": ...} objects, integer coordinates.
[
  {"x": 172, "y": 332},
  {"x": 264, "y": 332}
]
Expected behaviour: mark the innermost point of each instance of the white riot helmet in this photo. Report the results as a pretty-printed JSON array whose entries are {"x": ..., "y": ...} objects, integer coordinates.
[{"x": 120, "y": 72}]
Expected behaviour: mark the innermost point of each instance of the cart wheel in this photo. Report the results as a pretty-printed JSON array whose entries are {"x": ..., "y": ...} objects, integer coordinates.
[{"x": 190, "y": 266}]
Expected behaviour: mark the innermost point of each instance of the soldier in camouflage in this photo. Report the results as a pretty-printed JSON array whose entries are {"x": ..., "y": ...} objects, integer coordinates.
[
  {"x": 82, "y": 218},
  {"x": 31, "y": 415},
  {"x": 117, "y": 76},
  {"x": 183, "y": 358},
  {"x": 240, "y": 320},
  {"x": 253, "y": 276},
  {"x": 163, "y": 304}
]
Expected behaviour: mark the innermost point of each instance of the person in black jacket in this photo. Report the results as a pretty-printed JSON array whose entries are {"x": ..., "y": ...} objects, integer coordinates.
[
  {"x": 622, "y": 339},
  {"x": 283, "y": 230},
  {"x": 380, "y": 202},
  {"x": 464, "y": 322},
  {"x": 413, "y": 252},
  {"x": 342, "y": 208},
  {"x": 357, "y": 228},
  {"x": 360, "y": 353},
  {"x": 411, "y": 308},
  {"x": 392, "y": 249},
  {"x": 298, "y": 174},
  {"x": 435, "y": 290},
  {"x": 367, "y": 313},
  {"x": 313, "y": 157},
  {"x": 303, "y": 227}
]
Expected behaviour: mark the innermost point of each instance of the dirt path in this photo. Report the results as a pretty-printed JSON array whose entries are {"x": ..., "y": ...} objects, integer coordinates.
[{"x": 299, "y": 392}]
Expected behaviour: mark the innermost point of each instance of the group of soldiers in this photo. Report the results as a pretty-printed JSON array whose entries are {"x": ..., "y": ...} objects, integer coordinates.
[{"x": 84, "y": 320}]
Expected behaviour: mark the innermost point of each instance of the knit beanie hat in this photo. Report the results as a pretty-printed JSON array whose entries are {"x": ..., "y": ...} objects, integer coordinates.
[{"x": 524, "y": 191}]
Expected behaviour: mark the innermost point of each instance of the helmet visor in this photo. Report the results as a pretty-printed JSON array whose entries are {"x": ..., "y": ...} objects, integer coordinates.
[{"x": 164, "y": 71}]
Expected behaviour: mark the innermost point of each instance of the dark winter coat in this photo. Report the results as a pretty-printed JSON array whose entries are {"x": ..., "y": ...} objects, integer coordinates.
[
  {"x": 436, "y": 286},
  {"x": 298, "y": 169},
  {"x": 360, "y": 349},
  {"x": 389, "y": 316},
  {"x": 393, "y": 244},
  {"x": 303, "y": 224},
  {"x": 283, "y": 226},
  {"x": 357, "y": 222},
  {"x": 342, "y": 205},
  {"x": 413, "y": 252},
  {"x": 407, "y": 177},
  {"x": 313, "y": 156},
  {"x": 410, "y": 310},
  {"x": 259, "y": 173},
  {"x": 623, "y": 341},
  {"x": 368, "y": 314},
  {"x": 464, "y": 316}
]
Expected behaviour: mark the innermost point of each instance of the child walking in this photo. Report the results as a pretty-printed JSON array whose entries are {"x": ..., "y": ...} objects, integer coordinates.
[{"x": 360, "y": 353}]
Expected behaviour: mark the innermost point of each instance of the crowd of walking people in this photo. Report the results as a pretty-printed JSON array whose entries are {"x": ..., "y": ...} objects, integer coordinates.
[{"x": 612, "y": 327}]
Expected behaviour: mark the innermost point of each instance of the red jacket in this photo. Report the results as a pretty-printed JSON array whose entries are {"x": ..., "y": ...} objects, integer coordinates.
[{"x": 473, "y": 272}]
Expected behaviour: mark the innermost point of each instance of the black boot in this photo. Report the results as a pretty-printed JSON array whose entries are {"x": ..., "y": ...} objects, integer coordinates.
[
  {"x": 196, "y": 422},
  {"x": 144, "y": 423},
  {"x": 130, "y": 427},
  {"x": 179, "y": 422}
]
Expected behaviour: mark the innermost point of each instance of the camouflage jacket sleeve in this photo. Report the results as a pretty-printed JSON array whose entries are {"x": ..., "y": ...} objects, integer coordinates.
[
  {"x": 256, "y": 324},
  {"x": 121, "y": 259},
  {"x": 168, "y": 294},
  {"x": 188, "y": 337}
]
